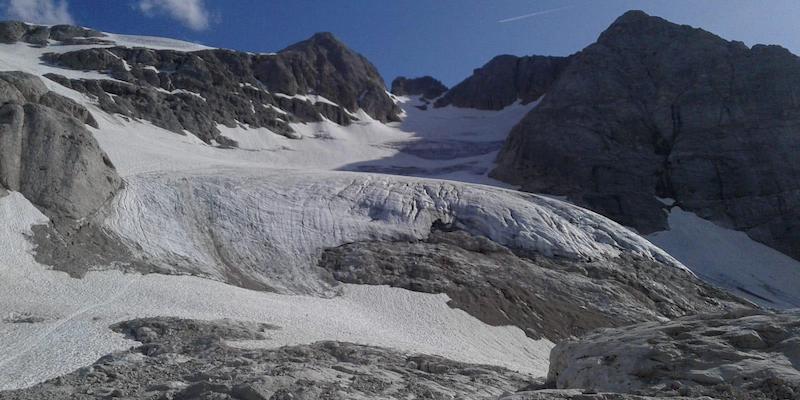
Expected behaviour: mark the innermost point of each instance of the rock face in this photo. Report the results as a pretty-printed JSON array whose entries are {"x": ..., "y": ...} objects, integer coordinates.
[
  {"x": 188, "y": 359},
  {"x": 426, "y": 86},
  {"x": 196, "y": 91},
  {"x": 505, "y": 80},
  {"x": 655, "y": 109},
  {"x": 15, "y": 31},
  {"x": 552, "y": 394},
  {"x": 546, "y": 297},
  {"x": 47, "y": 154},
  {"x": 743, "y": 355}
]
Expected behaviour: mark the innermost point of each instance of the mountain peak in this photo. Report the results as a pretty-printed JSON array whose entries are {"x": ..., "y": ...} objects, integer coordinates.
[
  {"x": 637, "y": 28},
  {"x": 325, "y": 40}
]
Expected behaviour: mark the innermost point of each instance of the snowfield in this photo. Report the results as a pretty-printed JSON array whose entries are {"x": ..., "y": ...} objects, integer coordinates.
[{"x": 731, "y": 260}]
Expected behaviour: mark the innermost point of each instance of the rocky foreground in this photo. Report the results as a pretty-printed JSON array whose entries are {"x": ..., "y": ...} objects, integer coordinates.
[
  {"x": 186, "y": 359},
  {"x": 746, "y": 354},
  {"x": 742, "y": 355}
]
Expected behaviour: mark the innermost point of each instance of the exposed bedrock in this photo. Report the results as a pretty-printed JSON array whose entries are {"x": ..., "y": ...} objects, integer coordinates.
[
  {"x": 426, "y": 86},
  {"x": 196, "y": 91},
  {"x": 505, "y": 80},
  {"x": 748, "y": 354},
  {"x": 189, "y": 359},
  {"x": 556, "y": 298},
  {"x": 47, "y": 154},
  {"x": 16, "y": 31},
  {"x": 567, "y": 394},
  {"x": 655, "y": 109}
]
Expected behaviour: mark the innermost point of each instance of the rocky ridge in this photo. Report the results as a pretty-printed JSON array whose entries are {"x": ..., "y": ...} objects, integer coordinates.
[
  {"x": 198, "y": 90},
  {"x": 505, "y": 80}
]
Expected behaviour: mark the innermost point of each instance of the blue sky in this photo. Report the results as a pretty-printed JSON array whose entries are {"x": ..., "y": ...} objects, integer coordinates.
[{"x": 442, "y": 38}]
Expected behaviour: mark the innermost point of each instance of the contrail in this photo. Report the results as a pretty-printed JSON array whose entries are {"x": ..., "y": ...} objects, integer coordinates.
[{"x": 502, "y": 21}]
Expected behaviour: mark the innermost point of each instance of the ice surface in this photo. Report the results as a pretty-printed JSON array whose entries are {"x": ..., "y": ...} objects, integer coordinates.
[{"x": 271, "y": 225}]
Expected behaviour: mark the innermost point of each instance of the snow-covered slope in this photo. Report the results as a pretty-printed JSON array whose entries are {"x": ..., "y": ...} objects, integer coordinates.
[
  {"x": 272, "y": 225},
  {"x": 731, "y": 260},
  {"x": 76, "y": 314}
]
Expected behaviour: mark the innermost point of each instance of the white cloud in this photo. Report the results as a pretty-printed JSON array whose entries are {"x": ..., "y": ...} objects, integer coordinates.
[
  {"x": 38, "y": 11},
  {"x": 191, "y": 13}
]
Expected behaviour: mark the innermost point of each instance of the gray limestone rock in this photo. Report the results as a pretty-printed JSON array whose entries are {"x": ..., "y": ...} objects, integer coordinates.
[
  {"x": 546, "y": 297},
  {"x": 658, "y": 109},
  {"x": 47, "y": 154},
  {"x": 504, "y": 80},
  {"x": 189, "y": 359},
  {"x": 15, "y": 31},
  {"x": 747, "y": 354},
  {"x": 196, "y": 91}
]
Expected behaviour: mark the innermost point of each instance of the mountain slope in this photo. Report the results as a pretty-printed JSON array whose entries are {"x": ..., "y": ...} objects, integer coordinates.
[{"x": 655, "y": 110}]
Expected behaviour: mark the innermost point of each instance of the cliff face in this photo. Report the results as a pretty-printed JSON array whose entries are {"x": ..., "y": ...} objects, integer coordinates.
[
  {"x": 504, "y": 80},
  {"x": 47, "y": 154},
  {"x": 655, "y": 109}
]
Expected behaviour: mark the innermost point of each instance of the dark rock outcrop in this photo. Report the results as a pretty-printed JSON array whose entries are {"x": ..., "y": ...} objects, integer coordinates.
[
  {"x": 16, "y": 31},
  {"x": 47, "y": 154},
  {"x": 196, "y": 91},
  {"x": 504, "y": 80},
  {"x": 546, "y": 297},
  {"x": 426, "y": 86},
  {"x": 189, "y": 359},
  {"x": 655, "y": 109},
  {"x": 743, "y": 355}
]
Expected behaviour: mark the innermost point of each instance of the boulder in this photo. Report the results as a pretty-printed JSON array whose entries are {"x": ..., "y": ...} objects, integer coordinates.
[
  {"x": 196, "y": 91},
  {"x": 747, "y": 354},
  {"x": 15, "y": 31}
]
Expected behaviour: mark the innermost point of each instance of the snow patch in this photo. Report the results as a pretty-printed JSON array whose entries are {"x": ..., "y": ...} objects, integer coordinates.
[{"x": 731, "y": 260}]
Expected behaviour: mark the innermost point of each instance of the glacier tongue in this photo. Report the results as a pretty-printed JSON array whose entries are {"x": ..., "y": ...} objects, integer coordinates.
[{"x": 268, "y": 228}]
